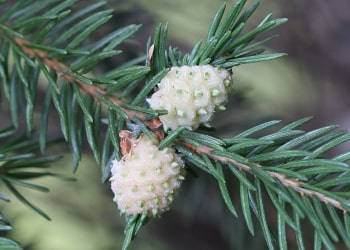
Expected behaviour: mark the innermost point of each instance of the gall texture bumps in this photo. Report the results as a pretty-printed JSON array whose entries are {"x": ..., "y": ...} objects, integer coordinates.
[
  {"x": 191, "y": 95},
  {"x": 146, "y": 179}
]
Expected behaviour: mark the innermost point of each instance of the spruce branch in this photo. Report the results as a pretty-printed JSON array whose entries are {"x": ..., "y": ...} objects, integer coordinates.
[
  {"x": 19, "y": 159},
  {"x": 84, "y": 83},
  {"x": 288, "y": 166},
  {"x": 20, "y": 164},
  {"x": 301, "y": 187},
  {"x": 67, "y": 75},
  {"x": 103, "y": 89}
]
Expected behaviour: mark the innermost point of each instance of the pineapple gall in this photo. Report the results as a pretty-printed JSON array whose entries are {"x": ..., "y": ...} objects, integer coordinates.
[
  {"x": 191, "y": 95},
  {"x": 146, "y": 179}
]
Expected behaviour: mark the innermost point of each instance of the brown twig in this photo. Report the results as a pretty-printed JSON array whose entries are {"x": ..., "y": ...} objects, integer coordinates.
[
  {"x": 295, "y": 184},
  {"x": 60, "y": 69}
]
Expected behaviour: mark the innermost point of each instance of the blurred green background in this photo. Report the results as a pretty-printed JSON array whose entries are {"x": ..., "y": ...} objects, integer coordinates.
[{"x": 312, "y": 80}]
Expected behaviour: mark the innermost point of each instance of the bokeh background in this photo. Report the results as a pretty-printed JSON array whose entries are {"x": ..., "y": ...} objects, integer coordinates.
[{"x": 312, "y": 80}]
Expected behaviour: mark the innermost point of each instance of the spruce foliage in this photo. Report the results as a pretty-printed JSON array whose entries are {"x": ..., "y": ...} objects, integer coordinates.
[{"x": 282, "y": 164}]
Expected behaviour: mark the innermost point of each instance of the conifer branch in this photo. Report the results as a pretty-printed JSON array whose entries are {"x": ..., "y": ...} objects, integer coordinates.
[
  {"x": 294, "y": 184},
  {"x": 61, "y": 70},
  {"x": 288, "y": 164}
]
